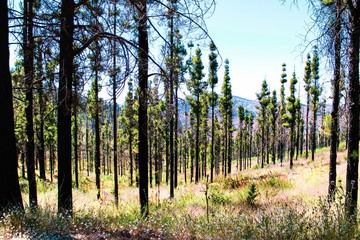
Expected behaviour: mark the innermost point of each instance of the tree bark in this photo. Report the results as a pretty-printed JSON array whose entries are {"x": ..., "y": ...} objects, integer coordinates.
[
  {"x": 97, "y": 126},
  {"x": 335, "y": 105},
  {"x": 28, "y": 46},
  {"x": 9, "y": 183},
  {"x": 116, "y": 184},
  {"x": 354, "y": 92},
  {"x": 143, "y": 104},
  {"x": 64, "y": 107}
]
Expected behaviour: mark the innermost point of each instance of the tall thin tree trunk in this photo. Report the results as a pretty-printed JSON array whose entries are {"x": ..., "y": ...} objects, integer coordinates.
[
  {"x": 143, "y": 105},
  {"x": 176, "y": 154},
  {"x": 307, "y": 126},
  {"x": 197, "y": 144},
  {"x": 354, "y": 109},
  {"x": 171, "y": 125},
  {"x": 150, "y": 162},
  {"x": 41, "y": 110},
  {"x": 212, "y": 154},
  {"x": 97, "y": 132},
  {"x": 336, "y": 101},
  {"x": 75, "y": 133},
  {"x": 115, "y": 152},
  {"x": 131, "y": 159},
  {"x": 64, "y": 107},
  {"x": 29, "y": 45}
]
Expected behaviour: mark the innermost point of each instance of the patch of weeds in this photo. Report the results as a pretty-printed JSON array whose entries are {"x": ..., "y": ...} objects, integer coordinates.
[
  {"x": 231, "y": 182},
  {"x": 342, "y": 147},
  {"x": 217, "y": 198},
  {"x": 85, "y": 184},
  {"x": 278, "y": 182},
  {"x": 44, "y": 186}
]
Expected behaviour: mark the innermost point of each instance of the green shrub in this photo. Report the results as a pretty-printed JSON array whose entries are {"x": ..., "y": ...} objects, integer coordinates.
[
  {"x": 217, "y": 197},
  {"x": 252, "y": 194}
]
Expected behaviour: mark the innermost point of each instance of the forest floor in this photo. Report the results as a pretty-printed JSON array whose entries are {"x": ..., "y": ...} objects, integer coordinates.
[{"x": 270, "y": 203}]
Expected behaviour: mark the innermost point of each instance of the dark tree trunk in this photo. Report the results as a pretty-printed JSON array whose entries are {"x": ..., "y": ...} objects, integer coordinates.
[
  {"x": 197, "y": 143},
  {"x": 354, "y": 92},
  {"x": 176, "y": 154},
  {"x": 42, "y": 106},
  {"x": 64, "y": 107},
  {"x": 292, "y": 143},
  {"x": 29, "y": 80},
  {"x": 9, "y": 183},
  {"x": 51, "y": 156},
  {"x": 156, "y": 160},
  {"x": 212, "y": 154},
  {"x": 75, "y": 133},
  {"x": 313, "y": 132},
  {"x": 167, "y": 154},
  {"x": 171, "y": 125},
  {"x": 307, "y": 125},
  {"x": 97, "y": 133},
  {"x": 143, "y": 103},
  {"x": 335, "y": 105},
  {"x": 116, "y": 184},
  {"x": 87, "y": 147},
  {"x": 150, "y": 162},
  {"x": 131, "y": 159},
  {"x": 229, "y": 148}
]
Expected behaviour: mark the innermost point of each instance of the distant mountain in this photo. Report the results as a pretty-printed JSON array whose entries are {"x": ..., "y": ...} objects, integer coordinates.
[{"x": 250, "y": 105}]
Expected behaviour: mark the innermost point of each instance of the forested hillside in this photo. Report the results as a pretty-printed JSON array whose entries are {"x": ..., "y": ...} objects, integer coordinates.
[{"x": 77, "y": 164}]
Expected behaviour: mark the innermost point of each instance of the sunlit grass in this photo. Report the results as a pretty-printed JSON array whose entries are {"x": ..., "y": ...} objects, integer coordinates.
[{"x": 290, "y": 204}]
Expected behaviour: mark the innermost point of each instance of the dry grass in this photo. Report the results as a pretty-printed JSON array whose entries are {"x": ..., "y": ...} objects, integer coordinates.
[{"x": 286, "y": 208}]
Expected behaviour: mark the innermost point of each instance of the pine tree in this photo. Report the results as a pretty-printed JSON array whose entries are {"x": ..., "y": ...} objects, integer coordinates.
[
  {"x": 213, "y": 98},
  {"x": 143, "y": 62},
  {"x": 315, "y": 91},
  {"x": 96, "y": 67},
  {"x": 290, "y": 118},
  {"x": 129, "y": 122},
  {"x": 354, "y": 109},
  {"x": 196, "y": 87},
  {"x": 64, "y": 107},
  {"x": 299, "y": 124},
  {"x": 29, "y": 46},
  {"x": 273, "y": 110},
  {"x": 41, "y": 108},
  {"x": 241, "y": 117},
  {"x": 249, "y": 120},
  {"x": 114, "y": 95},
  {"x": 226, "y": 105},
  {"x": 307, "y": 80},
  {"x": 263, "y": 98},
  {"x": 282, "y": 111},
  {"x": 336, "y": 100}
]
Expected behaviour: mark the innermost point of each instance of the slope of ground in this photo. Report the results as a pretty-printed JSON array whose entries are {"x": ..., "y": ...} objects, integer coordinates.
[{"x": 270, "y": 203}]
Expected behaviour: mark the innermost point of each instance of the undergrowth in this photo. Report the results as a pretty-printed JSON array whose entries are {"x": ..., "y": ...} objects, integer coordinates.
[
  {"x": 169, "y": 221},
  {"x": 243, "y": 206}
]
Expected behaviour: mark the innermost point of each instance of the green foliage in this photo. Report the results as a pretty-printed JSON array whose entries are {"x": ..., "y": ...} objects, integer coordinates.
[
  {"x": 226, "y": 98},
  {"x": 252, "y": 195},
  {"x": 342, "y": 147},
  {"x": 283, "y": 80},
  {"x": 217, "y": 197},
  {"x": 315, "y": 89},
  {"x": 292, "y": 104},
  {"x": 307, "y": 76}
]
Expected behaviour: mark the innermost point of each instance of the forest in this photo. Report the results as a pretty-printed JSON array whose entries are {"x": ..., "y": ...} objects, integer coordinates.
[{"x": 180, "y": 157}]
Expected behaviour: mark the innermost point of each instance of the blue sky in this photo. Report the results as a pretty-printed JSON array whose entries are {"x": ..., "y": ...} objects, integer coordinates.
[{"x": 257, "y": 37}]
